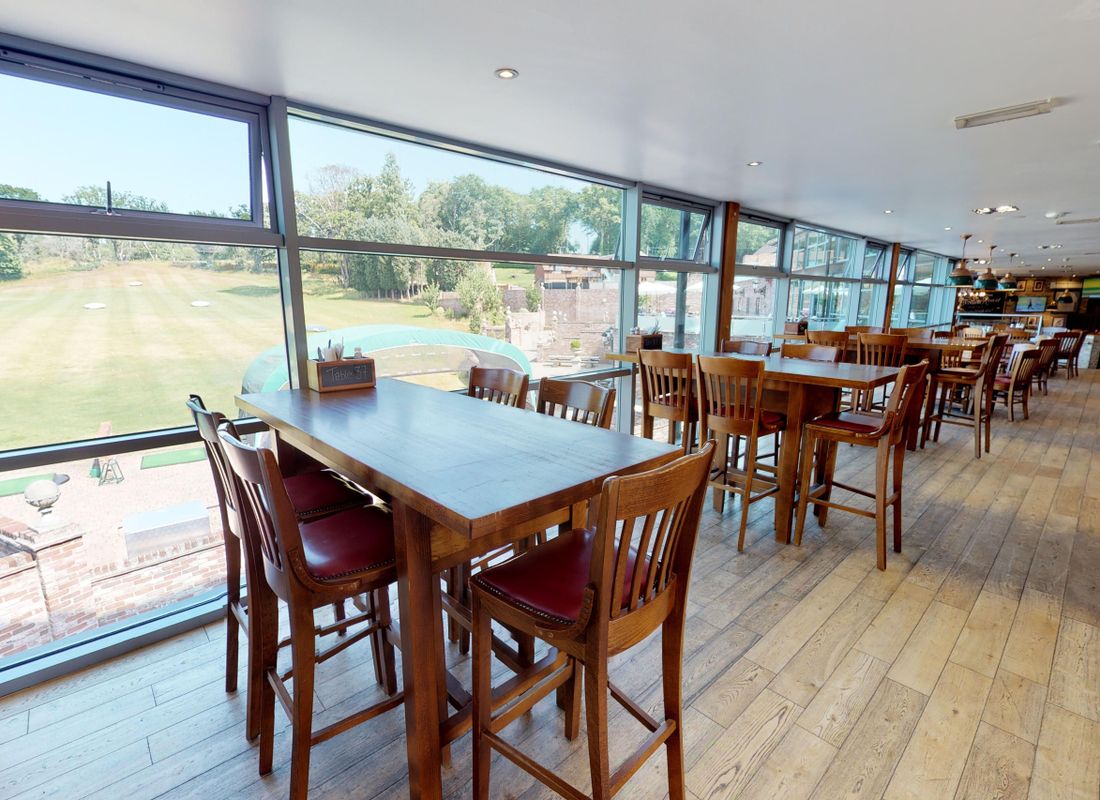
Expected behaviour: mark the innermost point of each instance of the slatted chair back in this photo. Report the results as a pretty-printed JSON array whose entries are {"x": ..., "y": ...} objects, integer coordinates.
[
  {"x": 811, "y": 352},
  {"x": 855, "y": 330},
  {"x": 1066, "y": 340},
  {"x": 1023, "y": 368},
  {"x": 666, "y": 378},
  {"x": 499, "y": 385},
  {"x": 731, "y": 392},
  {"x": 1018, "y": 349},
  {"x": 828, "y": 338},
  {"x": 913, "y": 333},
  {"x": 951, "y": 359},
  {"x": 268, "y": 520},
  {"x": 910, "y": 386},
  {"x": 881, "y": 349},
  {"x": 943, "y": 334},
  {"x": 974, "y": 333},
  {"x": 995, "y": 351},
  {"x": 648, "y": 522},
  {"x": 747, "y": 347},
  {"x": 1047, "y": 350},
  {"x": 579, "y": 401},
  {"x": 207, "y": 423}
]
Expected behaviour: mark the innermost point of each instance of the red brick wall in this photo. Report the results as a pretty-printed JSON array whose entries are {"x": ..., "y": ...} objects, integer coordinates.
[{"x": 24, "y": 622}]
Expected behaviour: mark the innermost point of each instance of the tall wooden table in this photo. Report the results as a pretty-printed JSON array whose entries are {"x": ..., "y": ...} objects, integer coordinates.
[
  {"x": 801, "y": 390},
  {"x": 464, "y": 476}
]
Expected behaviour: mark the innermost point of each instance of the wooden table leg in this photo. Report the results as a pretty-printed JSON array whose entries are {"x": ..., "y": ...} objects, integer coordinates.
[
  {"x": 787, "y": 471},
  {"x": 416, "y": 587}
]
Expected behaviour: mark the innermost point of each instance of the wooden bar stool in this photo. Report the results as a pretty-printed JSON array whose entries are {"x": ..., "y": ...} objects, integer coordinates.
[
  {"x": 308, "y": 565},
  {"x": 837, "y": 339},
  {"x": 731, "y": 393},
  {"x": 1069, "y": 350},
  {"x": 878, "y": 350},
  {"x": 885, "y": 432},
  {"x": 593, "y": 594},
  {"x": 970, "y": 388},
  {"x": 1048, "y": 348},
  {"x": 811, "y": 352},
  {"x": 1015, "y": 387},
  {"x": 746, "y": 347},
  {"x": 312, "y": 495},
  {"x": 667, "y": 394},
  {"x": 579, "y": 401},
  {"x": 499, "y": 385},
  {"x": 855, "y": 330}
]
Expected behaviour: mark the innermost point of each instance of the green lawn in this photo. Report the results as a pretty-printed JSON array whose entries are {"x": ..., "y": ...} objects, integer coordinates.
[
  {"x": 516, "y": 275},
  {"x": 69, "y": 369}
]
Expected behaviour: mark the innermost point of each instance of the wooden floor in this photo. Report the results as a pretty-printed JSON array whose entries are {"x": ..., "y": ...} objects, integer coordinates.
[{"x": 969, "y": 669}]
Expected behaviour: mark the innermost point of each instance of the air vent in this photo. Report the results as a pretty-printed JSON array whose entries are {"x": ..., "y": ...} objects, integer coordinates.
[{"x": 1087, "y": 221}]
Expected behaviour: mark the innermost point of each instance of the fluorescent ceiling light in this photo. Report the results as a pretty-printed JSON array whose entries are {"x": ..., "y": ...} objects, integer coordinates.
[{"x": 1005, "y": 114}]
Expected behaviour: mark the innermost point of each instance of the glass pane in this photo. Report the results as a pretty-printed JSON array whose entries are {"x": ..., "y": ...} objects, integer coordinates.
[
  {"x": 757, "y": 244},
  {"x": 69, "y": 143},
  {"x": 429, "y": 320},
  {"x": 674, "y": 233},
  {"x": 874, "y": 261},
  {"x": 905, "y": 260},
  {"x": 923, "y": 266},
  {"x": 823, "y": 303},
  {"x": 895, "y": 309},
  {"x": 871, "y": 299},
  {"x": 918, "y": 306},
  {"x": 753, "y": 306},
  {"x": 672, "y": 303},
  {"x": 110, "y": 335},
  {"x": 355, "y": 185},
  {"x": 820, "y": 253}
]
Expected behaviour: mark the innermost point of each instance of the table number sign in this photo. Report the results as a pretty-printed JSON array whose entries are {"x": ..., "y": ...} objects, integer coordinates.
[{"x": 334, "y": 376}]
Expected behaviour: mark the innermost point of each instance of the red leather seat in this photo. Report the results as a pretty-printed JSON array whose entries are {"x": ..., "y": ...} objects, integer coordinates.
[
  {"x": 315, "y": 494},
  {"x": 348, "y": 542},
  {"x": 852, "y": 421},
  {"x": 549, "y": 581}
]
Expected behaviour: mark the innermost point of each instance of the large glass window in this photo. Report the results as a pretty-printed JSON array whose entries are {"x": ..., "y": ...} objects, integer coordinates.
[
  {"x": 355, "y": 185},
  {"x": 111, "y": 152},
  {"x": 918, "y": 305},
  {"x": 758, "y": 244},
  {"x": 674, "y": 232},
  {"x": 108, "y": 336},
  {"x": 823, "y": 303},
  {"x": 672, "y": 303},
  {"x": 753, "y": 306},
  {"x": 816, "y": 252}
]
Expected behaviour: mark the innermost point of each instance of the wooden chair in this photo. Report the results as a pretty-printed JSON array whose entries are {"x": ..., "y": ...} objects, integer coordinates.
[
  {"x": 1047, "y": 350},
  {"x": 308, "y": 565},
  {"x": 855, "y": 330},
  {"x": 879, "y": 350},
  {"x": 943, "y": 334},
  {"x": 499, "y": 385},
  {"x": 747, "y": 347},
  {"x": 1016, "y": 385},
  {"x": 829, "y": 338},
  {"x": 913, "y": 333},
  {"x": 1069, "y": 351},
  {"x": 593, "y": 594},
  {"x": 312, "y": 495},
  {"x": 731, "y": 395},
  {"x": 667, "y": 394},
  {"x": 811, "y": 352},
  {"x": 579, "y": 401},
  {"x": 969, "y": 387},
  {"x": 885, "y": 432}
]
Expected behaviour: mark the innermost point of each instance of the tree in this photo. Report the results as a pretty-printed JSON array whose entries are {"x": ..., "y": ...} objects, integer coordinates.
[
  {"x": 430, "y": 296},
  {"x": 9, "y": 192},
  {"x": 480, "y": 299},
  {"x": 533, "y": 297},
  {"x": 600, "y": 212},
  {"x": 11, "y": 262}
]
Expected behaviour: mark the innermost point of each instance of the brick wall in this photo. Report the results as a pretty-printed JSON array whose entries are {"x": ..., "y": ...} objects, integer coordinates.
[{"x": 24, "y": 621}]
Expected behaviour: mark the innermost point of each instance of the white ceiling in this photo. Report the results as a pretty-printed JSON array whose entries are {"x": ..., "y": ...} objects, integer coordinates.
[{"x": 848, "y": 103}]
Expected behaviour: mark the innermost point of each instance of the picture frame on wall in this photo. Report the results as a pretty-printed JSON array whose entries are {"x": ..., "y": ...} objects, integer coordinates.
[{"x": 1038, "y": 285}]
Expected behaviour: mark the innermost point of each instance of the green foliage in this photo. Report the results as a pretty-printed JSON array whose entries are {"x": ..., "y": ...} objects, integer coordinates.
[
  {"x": 575, "y": 345},
  {"x": 9, "y": 192},
  {"x": 96, "y": 196},
  {"x": 11, "y": 262},
  {"x": 533, "y": 297},
  {"x": 480, "y": 299},
  {"x": 430, "y": 296},
  {"x": 600, "y": 212}
]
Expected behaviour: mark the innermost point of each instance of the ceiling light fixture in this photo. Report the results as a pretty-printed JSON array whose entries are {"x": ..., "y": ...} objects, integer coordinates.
[
  {"x": 1008, "y": 283},
  {"x": 987, "y": 280},
  {"x": 1006, "y": 209},
  {"x": 507, "y": 73},
  {"x": 960, "y": 275},
  {"x": 755, "y": 164},
  {"x": 888, "y": 211},
  {"x": 1003, "y": 209},
  {"x": 1004, "y": 114},
  {"x": 947, "y": 228},
  {"x": 1055, "y": 214}
]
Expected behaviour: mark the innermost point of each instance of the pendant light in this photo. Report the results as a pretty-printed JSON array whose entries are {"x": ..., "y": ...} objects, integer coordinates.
[
  {"x": 960, "y": 275},
  {"x": 987, "y": 280},
  {"x": 1008, "y": 283}
]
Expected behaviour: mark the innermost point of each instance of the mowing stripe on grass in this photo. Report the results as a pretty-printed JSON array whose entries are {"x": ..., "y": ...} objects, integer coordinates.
[
  {"x": 172, "y": 457},
  {"x": 17, "y": 485}
]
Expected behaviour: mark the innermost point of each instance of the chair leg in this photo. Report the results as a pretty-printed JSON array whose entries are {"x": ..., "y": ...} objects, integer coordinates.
[
  {"x": 339, "y": 614},
  {"x": 303, "y": 649},
  {"x": 722, "y": 461},
  {"x": 827, "y": 481},
  {"x": 988, "y": 417},
  {"x": 672, "y": 659},
  {"x": 450, "y": 583},
  {"x": 978, "y": 425},
  {"x": 804, "y": 487},
  {"x": 595, "y": 711},
  {"x": 232, "y": 600},
  {"x": 899, "y": 466},
  {"x": 483, "y": 698},
  {"x": 647, "y": 425},
  {"x": 746, "y": 496},
  {"x": 882, "y": 464},
  {"x": 1023, "y": 401},
  {"x": 463, "y": 593},
  {"x": 263, "y": 623},
  {"x": 380, "y": 600},
  {"x": 572, "y": 701}
]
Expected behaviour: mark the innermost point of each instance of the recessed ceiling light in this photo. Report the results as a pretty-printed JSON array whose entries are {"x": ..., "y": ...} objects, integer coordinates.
[
  {"x": 507, "y": 73},
  {"x": 888, "y": 211},
  {"x": 947, "y": 228},
  {"x": 1050, "y": 259},
  {"x": 984, "y": 210},
  {"x": 755, "y": 163},
  {"x": 1006, "y": 209},
  {"x": 1055, "y": 214},
  {"x": 1004, "y": 114},
  {"x": 981, "y": 241}
]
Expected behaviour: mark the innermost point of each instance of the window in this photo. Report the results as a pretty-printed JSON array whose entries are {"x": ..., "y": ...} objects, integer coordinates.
[
  {"x": 923, "y": 266},
  {"x": 871, "y": 303},
  {"x": 672, "y": 303},
  {"x": 874, "y": 261},
  {"x": 355, "y": 185},
  {"x": 160, "y": 156},
  {"x": 918, "y": 306},
  {"x": 822, "y": 253},
  {"x": 110, "y": 335},
  {"x": 753, "y": 306},
  {"x": 675, "y": 233},
  {"x": 758, "y": 244},
  {"x": 823, "y": 303}
]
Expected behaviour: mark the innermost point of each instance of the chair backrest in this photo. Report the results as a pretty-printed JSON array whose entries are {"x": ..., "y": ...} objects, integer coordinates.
[
  {"x": 943, "y": 334},
  {"x": 666, "y": 378},
  {"x": 499, "y": 385},
  {"x": 269, "y": 525},
  {"x": 829, "y": 338},
  {"x": 913, "y": 333},
  {"x": 652, "y": 520},
  {"x": 991, "y": 355},
  {"x": 1080, "y": 343},
  {"x": 811, "y": 352},
  {"x": 579, "y": 401},
  {"x": 857, "y": 329},
  {"x": 207, "y": 422},
  {"x": 1067, "y": 340},
  {"x": 1017, "y": 349},
  {"x": 881, "y": 349},
  {"x": 974, "y": 333},
  {"x": 730, "y": 391},
  {"x": 908, "y": 386},
  {"x": 1047, "y": 349},
  {"x": 1023, "y": 367},
  {"x": 748, "y": 347}
]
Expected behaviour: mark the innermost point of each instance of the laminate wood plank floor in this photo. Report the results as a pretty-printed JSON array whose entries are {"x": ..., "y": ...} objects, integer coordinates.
[{"x": 969, "y": 669}]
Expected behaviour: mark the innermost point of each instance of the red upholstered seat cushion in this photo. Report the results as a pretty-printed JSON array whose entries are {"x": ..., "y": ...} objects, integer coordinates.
[
  {"x": 1002, "y": 380},
  {"x": 850, "y": 422},
  {"x": 549, "y": 581},
  {"x": 348, "y": 542},
  {"x": 316, "y": 493}
]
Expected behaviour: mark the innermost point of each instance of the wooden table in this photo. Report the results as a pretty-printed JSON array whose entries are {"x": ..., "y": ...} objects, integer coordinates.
[
  {"x": 801, "y": 390},
  {"x": 464, "y": 476}
]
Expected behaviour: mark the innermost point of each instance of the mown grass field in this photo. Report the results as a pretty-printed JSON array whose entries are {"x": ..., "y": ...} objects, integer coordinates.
[{"x": 68, "y": 369}]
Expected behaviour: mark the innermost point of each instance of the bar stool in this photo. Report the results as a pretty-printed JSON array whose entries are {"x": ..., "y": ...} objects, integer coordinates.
[
  {"x": 811, "y": 352},
  {"x": 499, "y": 385},
  {"x": 731, "y": 392},
  {"x": 1015, "y": 387},
  {"x": 1047, "y": 350},
  {"x": 308, "y": 565},
  {"x": 579, "y": 401},
  {"x": 878, "y": 350},
  {"x": 971, "y": 387},
  {"x": 746, "y": 347},
  {"x": 829, "y": 339},
  {"x": 667, "y": 394},
  {"x": 884, "y": 432},
  {"x": 1069, "y": 350},
  {"x": 593, "y": 594},
  {"x": 312, "y": 495}
]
